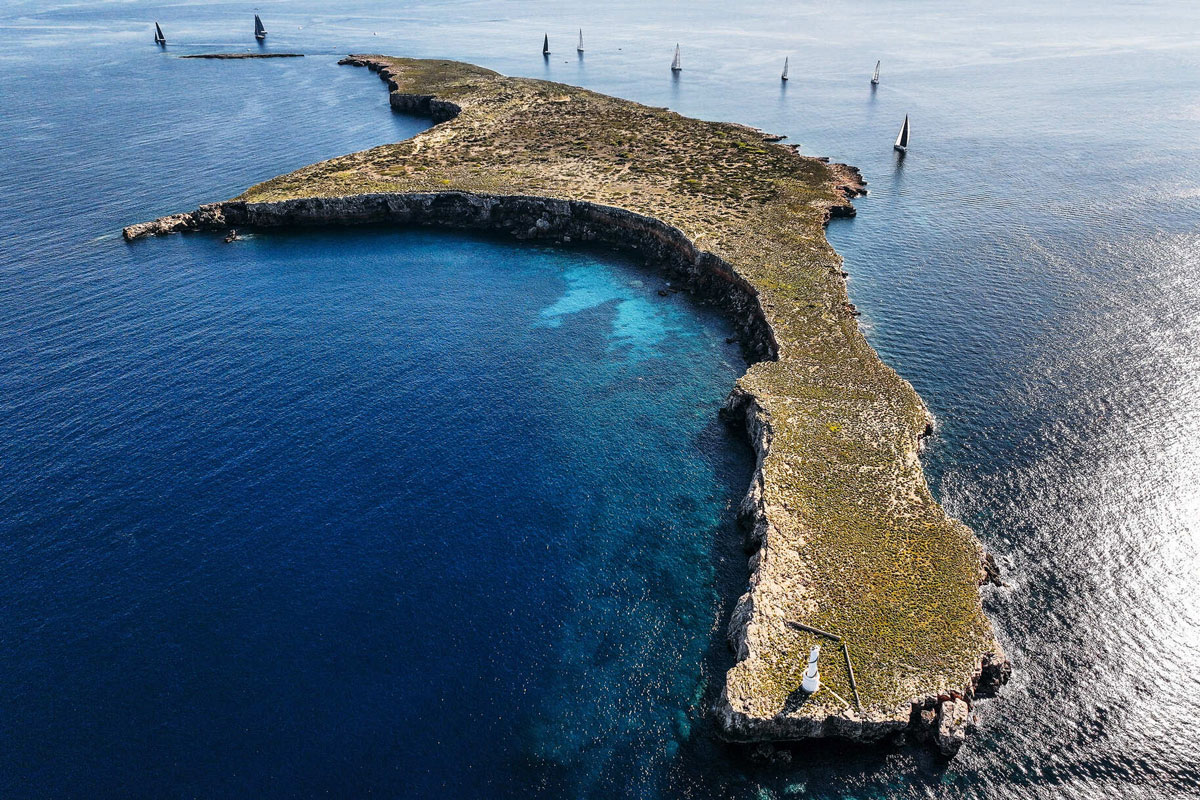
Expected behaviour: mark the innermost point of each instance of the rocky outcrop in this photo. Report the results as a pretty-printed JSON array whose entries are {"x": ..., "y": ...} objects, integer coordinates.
[
  {"x": 172, "y": 223},
  {"x": 422, "y": 105},
  {"x": 994, "y": 671},
  {"x": 954, "y": 720},
  {"x": 207, "y": 217}
]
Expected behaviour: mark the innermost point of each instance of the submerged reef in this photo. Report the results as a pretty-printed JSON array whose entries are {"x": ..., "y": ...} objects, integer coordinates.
[{"x": 842, "y": 533}]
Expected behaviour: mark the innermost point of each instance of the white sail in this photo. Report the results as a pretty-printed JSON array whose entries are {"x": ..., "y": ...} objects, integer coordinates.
[
  {"x": 675, "y": 65},
  {"x": 902, "y": 138},
  {"x": 812, "y": 675},
  {"x": 579, "y": 47},
  {"x": 785, "y": 66},
  {"x": 875, "y": 77}
]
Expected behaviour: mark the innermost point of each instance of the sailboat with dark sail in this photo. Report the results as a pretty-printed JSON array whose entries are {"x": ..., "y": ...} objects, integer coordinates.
[
  {"x": 579, "y": 47},
  {"x": 875, "y": 77},
  {"x": 260, "y": 32},
  {"x": 675, "y": 65},
  {"x": 783, "y": 77},
  {"x": 901, "y": 145},
  {"x": 546, "y": 45},
  {"x": 159, "y": 39}
]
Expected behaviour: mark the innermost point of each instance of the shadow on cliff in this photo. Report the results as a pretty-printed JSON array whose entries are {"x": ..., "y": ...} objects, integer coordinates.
[{"x": 795, "y": 700}]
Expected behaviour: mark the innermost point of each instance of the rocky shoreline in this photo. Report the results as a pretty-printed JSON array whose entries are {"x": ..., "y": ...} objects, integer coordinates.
[
  {"x": 942, "y": 719},
  {"x": 820, "y": 537},
  {"x": 541, "y": 218}
]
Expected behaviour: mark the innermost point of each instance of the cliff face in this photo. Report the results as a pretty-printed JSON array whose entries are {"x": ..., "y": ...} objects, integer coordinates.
[
  {"x": 841, "y": 531},
  {"x": 562, "y": 221}
]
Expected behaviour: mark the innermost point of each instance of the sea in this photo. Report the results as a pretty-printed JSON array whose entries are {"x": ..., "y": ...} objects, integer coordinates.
[{"x": 373, "y": 512}]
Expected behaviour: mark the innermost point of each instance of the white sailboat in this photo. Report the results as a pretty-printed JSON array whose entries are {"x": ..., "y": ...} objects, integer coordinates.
[
  {"x": 546, "y": 45},
  {"x": 812, "y": 675},
  {"x": 902, "y": 140},
  {"x": 785, "y": 66},
  {"x": 159, "y": 38},
  {"x": 875, "y": 77},
  {"x": 260, "y": 32},
  {"x": 675, "y": 65},
  {"x": 579, "y": 47}
]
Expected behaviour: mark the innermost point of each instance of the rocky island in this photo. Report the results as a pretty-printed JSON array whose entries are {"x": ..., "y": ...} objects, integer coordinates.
[
  {"x": 846, "y": 545},
  {"x": 236, "y": 56}
]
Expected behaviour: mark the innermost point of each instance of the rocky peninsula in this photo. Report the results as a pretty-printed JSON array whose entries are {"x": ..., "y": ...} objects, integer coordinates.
[{"x": 842, "y": 533}]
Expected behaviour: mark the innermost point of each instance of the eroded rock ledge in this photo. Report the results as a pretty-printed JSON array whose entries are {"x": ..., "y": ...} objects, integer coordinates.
[{"x": 841, "y": 530}]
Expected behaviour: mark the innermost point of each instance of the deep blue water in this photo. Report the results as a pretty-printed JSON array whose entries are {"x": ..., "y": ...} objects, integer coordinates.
[
  {"x": 283, "y": 520},
  {"x": 415, "y": 514}
]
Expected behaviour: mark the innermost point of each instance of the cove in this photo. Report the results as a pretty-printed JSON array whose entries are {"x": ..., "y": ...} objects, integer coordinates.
[{"x": 390, "y": 501}]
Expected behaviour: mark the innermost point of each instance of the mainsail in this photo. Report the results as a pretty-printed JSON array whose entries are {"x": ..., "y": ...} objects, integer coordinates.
[
  {"x": 875, "y": 77},
  {"x": 902, "y": 139},
  {"x": 579, "y": 47},
  {"x": 158, "y": 35},
  {"x": 546, "y": 45},
  {"x": 675, "y": 66},
  {"x": 259, "y": 31},
  {"x": 785, "y": 65}
]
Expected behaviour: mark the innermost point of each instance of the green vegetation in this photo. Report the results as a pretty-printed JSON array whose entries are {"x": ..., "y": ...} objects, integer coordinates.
[{"x": 856, "y": 543}]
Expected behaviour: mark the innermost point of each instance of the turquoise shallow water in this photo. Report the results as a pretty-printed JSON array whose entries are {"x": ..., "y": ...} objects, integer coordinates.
[{"x": 413, "y": 514}]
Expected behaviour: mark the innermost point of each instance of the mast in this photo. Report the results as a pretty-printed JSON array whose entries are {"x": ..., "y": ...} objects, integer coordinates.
[
  {"x": 902, "y": 140},
  {"x": 675, "y": 66},
  {"x": 546, "y": 45},
  {"x": 259, "y": 31},
  {"x": 875, "y": 77},
  {"x": 579, "y": 47},
  {"x": 158, "y": 35},
  {"x": 785, "y": 66}
]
